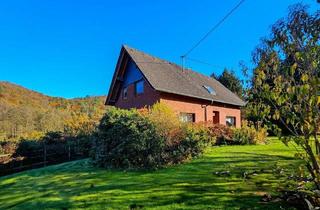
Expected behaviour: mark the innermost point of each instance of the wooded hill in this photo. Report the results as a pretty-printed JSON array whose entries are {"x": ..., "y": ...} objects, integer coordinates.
[{"x": 28, "y": 114}]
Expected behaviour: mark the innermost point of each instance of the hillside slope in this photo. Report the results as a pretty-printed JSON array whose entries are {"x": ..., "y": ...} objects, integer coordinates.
[{"x": 26, "y": 113}]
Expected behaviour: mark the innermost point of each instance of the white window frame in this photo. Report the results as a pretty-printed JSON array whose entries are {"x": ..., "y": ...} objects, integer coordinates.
[{"x": 185, "y": 117}]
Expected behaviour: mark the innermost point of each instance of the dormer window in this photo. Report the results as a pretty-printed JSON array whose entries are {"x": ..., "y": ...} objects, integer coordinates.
[{"x": 210, "y": 90}]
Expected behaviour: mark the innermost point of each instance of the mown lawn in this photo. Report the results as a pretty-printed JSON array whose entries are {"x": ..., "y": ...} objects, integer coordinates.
[{"x": 193, "y": 185}]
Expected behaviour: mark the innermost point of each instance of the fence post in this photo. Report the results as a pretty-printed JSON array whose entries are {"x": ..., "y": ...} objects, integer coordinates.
[
  {"x": 69, "y": 152},
  {"x": 44, "y": 154}
]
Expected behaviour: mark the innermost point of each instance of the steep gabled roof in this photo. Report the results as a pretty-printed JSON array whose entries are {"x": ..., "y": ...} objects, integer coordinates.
[{"x": 168, "y": 77}]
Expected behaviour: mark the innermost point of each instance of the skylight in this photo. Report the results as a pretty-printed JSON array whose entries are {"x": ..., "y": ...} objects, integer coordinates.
[{"x": 210, "y": 90}]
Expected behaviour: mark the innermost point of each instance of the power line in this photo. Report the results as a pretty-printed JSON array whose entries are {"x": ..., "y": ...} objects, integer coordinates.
[
  {"x": 204, "y": 62},
  {"x": 214, "y": 28}
]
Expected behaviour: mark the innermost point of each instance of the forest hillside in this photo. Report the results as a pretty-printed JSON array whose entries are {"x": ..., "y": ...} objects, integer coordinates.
[{"x": 28, "y": 114}]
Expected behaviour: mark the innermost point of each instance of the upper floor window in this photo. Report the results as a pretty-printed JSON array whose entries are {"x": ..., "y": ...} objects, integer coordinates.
[
  {"x": 139, "y": 87},
  {"x": 125, "y": 93},
  {"x": 187, "y": 117},
  {"x": 230, "y": 121}
]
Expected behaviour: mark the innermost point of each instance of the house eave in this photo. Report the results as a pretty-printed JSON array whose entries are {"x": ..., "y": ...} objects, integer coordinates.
[{"x": 202, "y": 98}]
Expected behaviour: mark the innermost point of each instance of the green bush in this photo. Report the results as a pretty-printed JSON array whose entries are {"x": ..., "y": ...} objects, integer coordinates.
[
  {"x": 127, "y": 139},
  {"x": 249, "y": 135},
  {"x": 183, "y": 140},
  {"x": 145, "y": 139},
  {"x": 220, "y": 133},
  {"x": 165, "y": 121},
  {"x": 26, "y": 147},
  {"x": 83, "y": 144},
  {"x": 190, "y": 143},
  {"x": 196, "y": 139},
  {"x": 200, "y": 133}
]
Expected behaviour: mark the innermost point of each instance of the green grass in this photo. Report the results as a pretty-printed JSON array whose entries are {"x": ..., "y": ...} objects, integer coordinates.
[{"x": 193, "y": 185}]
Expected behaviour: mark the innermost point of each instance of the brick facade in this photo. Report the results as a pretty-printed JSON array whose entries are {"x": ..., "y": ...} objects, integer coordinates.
[{"x": 203, "y": 110}]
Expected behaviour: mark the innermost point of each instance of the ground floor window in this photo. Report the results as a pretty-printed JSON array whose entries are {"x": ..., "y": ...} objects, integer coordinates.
[
  {"x": 230, "y": 121},
  {"x": 187, "y": 117}
]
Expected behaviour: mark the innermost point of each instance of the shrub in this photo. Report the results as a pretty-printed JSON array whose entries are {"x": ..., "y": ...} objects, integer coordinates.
[
  {"x": 36, "y": 135},
  {"x": 26, "y": 148},
  {"x": 222, "y": 133},
  {"x": 201, "y": 133},
  {"x": 165, "y": 121},
  {"x": 146, "y": 139},
  {"x": 192, "y": 140},
  {"x": 196, "y": 139},
  {"x": 57, "y": 146},
  {"x": 54, "y": 137},
  {"x": 84, "y": 144},
  {"x": 249, "y": 135},
  {"x": 7, "y": 147},
  {"x": 127, "y": 139},
  {"x": 183, "y": 141}
]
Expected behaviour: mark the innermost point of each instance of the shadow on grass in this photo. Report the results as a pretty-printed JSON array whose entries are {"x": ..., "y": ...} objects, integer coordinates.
[{"x": 188, "y": 186}]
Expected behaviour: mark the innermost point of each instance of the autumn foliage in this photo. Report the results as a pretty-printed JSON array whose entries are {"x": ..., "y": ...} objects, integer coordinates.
[{"x": 28, "y": 114}]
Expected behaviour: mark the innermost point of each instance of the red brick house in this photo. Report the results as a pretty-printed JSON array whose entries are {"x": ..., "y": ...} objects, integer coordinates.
[{"x": 141, "y": 80}]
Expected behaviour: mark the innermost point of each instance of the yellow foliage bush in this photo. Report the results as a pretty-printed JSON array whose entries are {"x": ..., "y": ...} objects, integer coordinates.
[
  {"x": 248, "y": 134},
  {"x": 166, "y": 121}
]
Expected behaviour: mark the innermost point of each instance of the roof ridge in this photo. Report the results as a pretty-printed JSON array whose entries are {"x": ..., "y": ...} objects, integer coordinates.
[
  {"x": 180, "y": 74},
  {"x": 151, "y": 56},
  {"x": 172, "y": 77},
  {"x": 167, "y": 62}
]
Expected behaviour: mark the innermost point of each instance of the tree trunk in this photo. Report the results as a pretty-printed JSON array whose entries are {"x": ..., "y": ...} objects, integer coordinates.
[{"x": 314, "y": 170}]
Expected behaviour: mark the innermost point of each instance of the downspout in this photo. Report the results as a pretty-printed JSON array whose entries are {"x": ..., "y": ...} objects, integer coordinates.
[
  {"x": 211, "y": 102},
  {"x": 205, "y": 110}
]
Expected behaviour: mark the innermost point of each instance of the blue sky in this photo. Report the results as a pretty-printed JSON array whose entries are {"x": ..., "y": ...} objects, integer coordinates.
[{"x": 70, "y": 48}]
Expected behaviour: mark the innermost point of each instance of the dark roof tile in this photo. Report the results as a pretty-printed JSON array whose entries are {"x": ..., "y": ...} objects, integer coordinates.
[{"x": 168, "y": 77}]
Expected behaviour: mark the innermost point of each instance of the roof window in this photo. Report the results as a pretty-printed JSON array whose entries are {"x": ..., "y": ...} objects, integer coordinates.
[{"x": 210, "y": 90}]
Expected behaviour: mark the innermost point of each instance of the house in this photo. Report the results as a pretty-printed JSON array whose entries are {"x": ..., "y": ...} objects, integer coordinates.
[{"x": 141, "y": 80}]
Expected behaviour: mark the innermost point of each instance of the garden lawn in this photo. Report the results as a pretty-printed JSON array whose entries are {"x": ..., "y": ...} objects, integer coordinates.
[{"x": 193, "y": 185}]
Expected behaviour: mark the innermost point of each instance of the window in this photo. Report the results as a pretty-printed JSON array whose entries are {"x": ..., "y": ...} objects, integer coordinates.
[
  {"x": 230, "y": 121},
  {"x": 210, "y": 90},
  {"x": 187, "y": 117},
  {"x": 139, "y": 87},
  {"x": 125, "y": 93}
]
